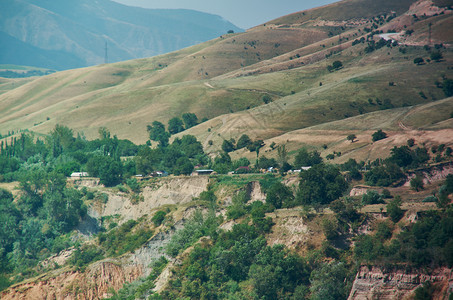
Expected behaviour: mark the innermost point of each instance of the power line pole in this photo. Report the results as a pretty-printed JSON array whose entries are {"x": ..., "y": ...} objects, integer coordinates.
[{"x": 106, "y": 57}]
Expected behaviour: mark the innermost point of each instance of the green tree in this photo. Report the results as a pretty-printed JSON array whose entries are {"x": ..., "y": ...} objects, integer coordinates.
[
  {"x": 417, "y": 183},
  {"x": 279, "y": 195},
  {"x": 306, "y": 159},
  {"x": 402, "y": 156},
  {"x": 183, "y": 166},
  {"x": 60, "y": 138},
  {"x": 328, "y": 282},
  {"x": 394, "y": 210},
  {"x": 447, "y": 87},
  {"x": 243, "y": 141},
  {"x": 64, "y": 209},
  {"x": 282, "y": 155},
  {"x": 228, "y": 145},
  {"x": 351, "y": 137},
  {"x": 158, "y": 217},
  {"x": 157, "y": 133},
  {"x": 384, "y": 175},
  {"x": 109, "y": 170},
  {"x": 9, "y": 223},
  {"x": 133, "y": 184},
  {"x": 255, "y": 146},
  {"x": 266, "y": 99},
  {"x": 266, "y": 163},
  {"x": 175, "y": 125},
  {"x": 418, "y": 61},
  {"x": 189, "y": 145},
  {"x": 321, "y": 184},
  {"x": 147, "y": 159},
  {"x": 436, "y": 56},
  {"x": 372, "y": 197},
  {"x": 190, "y": 120},
  {"x": 104, "y": 133},
  {"x": 337, "y": 64},
  {"x": 378, "y": 135}
]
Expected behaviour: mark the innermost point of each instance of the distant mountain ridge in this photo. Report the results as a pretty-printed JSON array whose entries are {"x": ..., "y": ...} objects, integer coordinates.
[{"x": 77, "y": 31}]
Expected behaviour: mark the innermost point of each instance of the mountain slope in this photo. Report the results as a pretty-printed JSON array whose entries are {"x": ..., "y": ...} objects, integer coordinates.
[
  {"x": 225, "y": 79},
  {"x": 81, "y": 29}
]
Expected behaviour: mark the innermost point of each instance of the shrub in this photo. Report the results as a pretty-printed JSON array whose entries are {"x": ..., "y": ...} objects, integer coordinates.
[
  {"x": 266, "y": 99},
  {"x": 417, "y": 183},
  {"x": 372, "y": 197},
  {"x": 430, "y": 199},
  {"x": 279, "y": 195},
  {"x": 436, "y": 56},
  {"x": 418, "y": 61},
  {"x": 158, "y": 217},
  {"x": 133, "y": 184},
  {"x": 394, "y": 210}
]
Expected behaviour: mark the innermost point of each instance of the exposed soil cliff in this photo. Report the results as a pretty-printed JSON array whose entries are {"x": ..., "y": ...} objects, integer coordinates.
[
  {"x": 94, "y": 283},
  {"x": 167, "y": 191},
  {"x": 375, "y": 283}
]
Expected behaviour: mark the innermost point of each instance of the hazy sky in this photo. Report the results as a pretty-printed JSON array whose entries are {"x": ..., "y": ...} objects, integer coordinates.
[{"x": 242, "y": 13}]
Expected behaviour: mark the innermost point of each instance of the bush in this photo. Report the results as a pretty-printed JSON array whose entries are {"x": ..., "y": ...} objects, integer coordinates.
[
  {"x": 158, "y": 217},
  {"x": 418, "y": 61},
  {"x": 133, "y": 184},
  {"x": 436, "y": 56},
  {"x": 266, "y": 99},
  {"x": 86, "y": 255},
  {"x": 279, "y": 195},
  {"x": 417, "y": 183},
  {"x": 430, "y": 199},
  {"x": 372, "y": 197},
  {"x": 394, "y": 210}
]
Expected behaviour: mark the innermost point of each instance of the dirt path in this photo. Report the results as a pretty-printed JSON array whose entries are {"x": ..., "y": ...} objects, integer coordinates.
[{"x": 208, "y": 85}]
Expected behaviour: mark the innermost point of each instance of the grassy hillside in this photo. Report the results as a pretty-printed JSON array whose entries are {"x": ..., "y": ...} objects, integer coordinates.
[{"x": 225, "y": 79}]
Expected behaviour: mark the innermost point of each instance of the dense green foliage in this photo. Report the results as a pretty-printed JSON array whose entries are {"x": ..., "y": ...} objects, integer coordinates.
[
  {"x": 321, "y": 184},
  {"x": 426, "y": 243},
  {"x": 384, "y": 175},
  {"x": 216, "y": 270},
  {"x": 35, "y": 226},
  {"x": 306, "y": 159}
]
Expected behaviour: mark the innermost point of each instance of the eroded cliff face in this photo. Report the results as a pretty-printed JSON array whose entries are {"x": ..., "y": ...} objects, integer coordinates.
[
  {"x": 375, "y": 283},
  {"x": 167, "y": 191},
  {"x": 94, "y": 283}
]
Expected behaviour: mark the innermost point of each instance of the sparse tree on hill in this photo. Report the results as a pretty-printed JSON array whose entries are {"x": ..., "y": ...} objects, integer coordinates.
[
  {"x": 266, "y": 99},
  {"x": 351, "y": 137},
  {"x": 379, "y": 135}
]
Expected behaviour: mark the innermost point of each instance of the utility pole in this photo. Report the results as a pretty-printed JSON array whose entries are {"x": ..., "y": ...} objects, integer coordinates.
[
  {"x": 106, "y": 57},
  {"x": 429, "y": 33}
]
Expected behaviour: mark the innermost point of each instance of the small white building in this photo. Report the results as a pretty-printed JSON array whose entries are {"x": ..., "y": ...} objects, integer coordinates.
[{"x": 79, "y": 174}]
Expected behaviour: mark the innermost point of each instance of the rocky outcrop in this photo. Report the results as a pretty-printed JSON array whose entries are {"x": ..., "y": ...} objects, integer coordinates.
[{"x": 374, "y": 283}]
